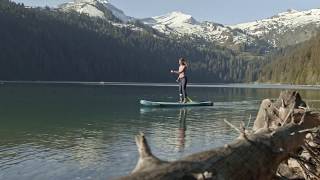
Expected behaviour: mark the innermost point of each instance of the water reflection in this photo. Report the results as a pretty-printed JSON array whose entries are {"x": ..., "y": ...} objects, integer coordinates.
[
  {"x": 182, "y": 129},
  {"x": 178, "y": 121},
  {"x": 80, "y": 132}
]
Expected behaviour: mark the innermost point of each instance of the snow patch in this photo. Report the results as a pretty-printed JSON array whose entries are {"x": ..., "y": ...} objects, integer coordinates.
[
  {"x": 95, "y": 8},
  {"x": 281, "y": 23},
  {"x": 181, "y": 24}
]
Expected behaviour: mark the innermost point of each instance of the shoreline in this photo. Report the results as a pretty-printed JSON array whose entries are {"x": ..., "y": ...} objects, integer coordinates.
[{"x": 154, "y": 84}]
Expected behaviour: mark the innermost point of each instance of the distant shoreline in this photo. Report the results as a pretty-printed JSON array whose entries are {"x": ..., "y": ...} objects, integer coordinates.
[{"x": 194, "y": 85}]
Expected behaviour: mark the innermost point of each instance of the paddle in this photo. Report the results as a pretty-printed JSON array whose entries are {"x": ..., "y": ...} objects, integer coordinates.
[{"x": 190, "y": 100}]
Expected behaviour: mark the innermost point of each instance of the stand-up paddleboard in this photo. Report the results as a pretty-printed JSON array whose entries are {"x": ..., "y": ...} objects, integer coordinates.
[{"x": 174, "y": 104}]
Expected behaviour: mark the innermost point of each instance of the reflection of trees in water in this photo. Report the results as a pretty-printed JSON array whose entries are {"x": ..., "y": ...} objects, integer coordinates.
[
  {"x": 81, "y": 145},
  {"x": 169, "y": 125},
  {"x": 237, "y": 94},
  {"x": 312, "y": 97}
]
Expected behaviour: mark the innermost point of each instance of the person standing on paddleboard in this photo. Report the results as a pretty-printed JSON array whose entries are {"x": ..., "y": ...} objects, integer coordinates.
[{"x": 182, "y": 79}]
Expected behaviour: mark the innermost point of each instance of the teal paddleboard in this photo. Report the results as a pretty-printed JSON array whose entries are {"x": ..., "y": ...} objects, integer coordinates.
[{"x": 174, "y": 104}]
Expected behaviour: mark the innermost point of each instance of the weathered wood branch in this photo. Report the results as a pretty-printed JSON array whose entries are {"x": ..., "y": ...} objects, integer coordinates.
[
  {"x": 257, "y": 155},
  {"x": 147, "y": 161}
]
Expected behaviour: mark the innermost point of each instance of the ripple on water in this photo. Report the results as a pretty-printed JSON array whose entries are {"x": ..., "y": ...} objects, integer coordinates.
[{"x": 76, "y": 133}]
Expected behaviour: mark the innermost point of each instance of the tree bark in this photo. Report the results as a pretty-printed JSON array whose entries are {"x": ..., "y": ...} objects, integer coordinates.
[{"x": 279, "y": 133}]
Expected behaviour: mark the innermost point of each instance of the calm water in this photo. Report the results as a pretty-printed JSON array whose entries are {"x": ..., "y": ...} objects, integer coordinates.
[{"x": 71, "y": 132}]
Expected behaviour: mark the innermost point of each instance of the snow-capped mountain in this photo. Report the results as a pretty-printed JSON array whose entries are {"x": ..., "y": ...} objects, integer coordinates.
[
  {"x": 175, "y": 23},
  {"x": 178, "y": 23},
  {"x": 95, "y": 8},
  {"x": 287, "y": 28},
  {"x": 101, "y": 9}
]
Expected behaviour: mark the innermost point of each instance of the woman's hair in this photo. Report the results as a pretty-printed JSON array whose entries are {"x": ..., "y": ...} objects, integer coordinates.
[{"x": 183, "y": 61}]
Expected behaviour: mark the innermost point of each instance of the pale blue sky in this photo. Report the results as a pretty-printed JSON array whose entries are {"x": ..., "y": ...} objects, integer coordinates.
[{"x": 221, "y": 11}]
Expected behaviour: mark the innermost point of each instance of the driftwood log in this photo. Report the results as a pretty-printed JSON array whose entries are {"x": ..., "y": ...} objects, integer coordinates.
[{"x": 283, "y": 144}]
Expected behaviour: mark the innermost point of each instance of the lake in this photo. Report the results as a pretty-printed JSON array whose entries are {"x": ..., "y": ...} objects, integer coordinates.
[{"x": 86, "y": 130}]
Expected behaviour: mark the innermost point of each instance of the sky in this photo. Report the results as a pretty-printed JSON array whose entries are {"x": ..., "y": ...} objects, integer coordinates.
[{"x": 220, "y": 11}]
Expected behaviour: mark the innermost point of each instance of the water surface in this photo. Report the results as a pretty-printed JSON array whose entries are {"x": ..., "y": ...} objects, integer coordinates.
[{"x": 86, "y": 131}]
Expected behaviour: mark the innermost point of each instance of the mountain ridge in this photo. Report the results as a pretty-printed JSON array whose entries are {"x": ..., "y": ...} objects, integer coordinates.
[
  {"x": 95, "y": 8},
  {"x": 278, "y": 31}
]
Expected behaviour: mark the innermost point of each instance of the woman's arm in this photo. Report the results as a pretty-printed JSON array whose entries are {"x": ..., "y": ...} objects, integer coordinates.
[
  {"x": 176, "y": 72},
  {"x": 181, "y": 70}
]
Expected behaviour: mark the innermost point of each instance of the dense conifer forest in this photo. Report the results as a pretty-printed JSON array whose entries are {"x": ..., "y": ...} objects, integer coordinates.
[
  {"x": 295, "y": 65},
  {"x": 46, "y": 44}
]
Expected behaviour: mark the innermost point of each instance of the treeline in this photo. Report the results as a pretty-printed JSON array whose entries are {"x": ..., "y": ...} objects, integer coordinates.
[
  {"x": 45, "y": 44},
  {"x": 296, "y": 65}
]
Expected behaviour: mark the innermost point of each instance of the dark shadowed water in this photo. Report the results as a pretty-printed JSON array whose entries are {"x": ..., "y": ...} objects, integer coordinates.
[{"x": 66, "y": 132}]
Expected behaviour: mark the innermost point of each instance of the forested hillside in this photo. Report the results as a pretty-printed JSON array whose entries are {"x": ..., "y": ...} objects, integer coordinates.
[
  {"x": 45, "y": 44},
  {"x": 297, "y": 65}
]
